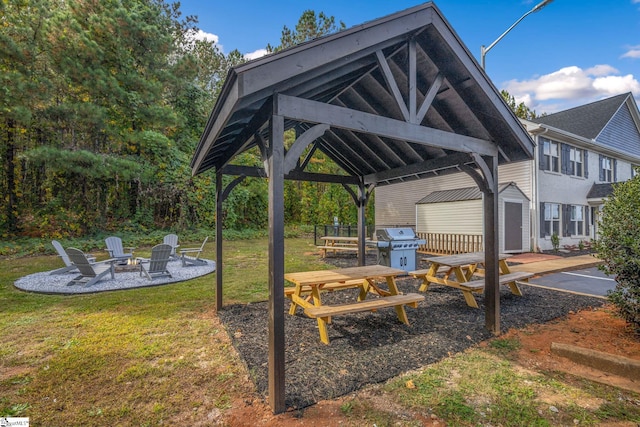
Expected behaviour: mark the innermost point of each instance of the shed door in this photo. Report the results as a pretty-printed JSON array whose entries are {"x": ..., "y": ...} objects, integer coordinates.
[{"x": 512, "y": 226}]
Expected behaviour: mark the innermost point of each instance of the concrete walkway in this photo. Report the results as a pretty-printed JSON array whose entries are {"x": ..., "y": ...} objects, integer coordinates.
[{"x": 545, "y": 264}]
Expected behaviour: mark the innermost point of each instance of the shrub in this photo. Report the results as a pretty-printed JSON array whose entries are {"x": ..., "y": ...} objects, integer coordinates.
[
  {"x": 555, "y": 241},
  {"x": 619, "y": 247}
]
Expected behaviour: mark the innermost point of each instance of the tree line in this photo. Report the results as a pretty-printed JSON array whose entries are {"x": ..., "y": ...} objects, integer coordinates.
[{"x": 102, "y": 103}]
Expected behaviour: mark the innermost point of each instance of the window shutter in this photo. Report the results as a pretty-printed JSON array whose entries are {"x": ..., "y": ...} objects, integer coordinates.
[
  {"x": 615, "y": 170},
  {"x": 600, "y": 168},
  {"x": 541, "y": 219},
  {"x": 566, "y": 220},
  {"x": 542, "y": 161},
  {"x": 586, "y": 163},
  {"x": 565, "y": 161},
  {"x": 587, "y": 224}
]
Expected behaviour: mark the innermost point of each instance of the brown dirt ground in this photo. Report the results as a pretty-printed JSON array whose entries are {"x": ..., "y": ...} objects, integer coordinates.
[{"x": 597, "y": 329}]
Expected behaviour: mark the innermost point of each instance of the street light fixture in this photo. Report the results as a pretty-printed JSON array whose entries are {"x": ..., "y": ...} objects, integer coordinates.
[{"x": 483, "y": 50}]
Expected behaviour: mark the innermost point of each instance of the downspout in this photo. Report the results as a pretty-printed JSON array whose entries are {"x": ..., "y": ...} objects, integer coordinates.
[{"x": 535, "y": 215}]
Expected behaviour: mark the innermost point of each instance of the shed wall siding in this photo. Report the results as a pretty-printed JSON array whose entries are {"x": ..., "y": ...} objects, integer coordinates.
[
  {"x": 396, "y": 204},
  {"x": 463, "y": 217},
  {"x": 521, "y": 173}
]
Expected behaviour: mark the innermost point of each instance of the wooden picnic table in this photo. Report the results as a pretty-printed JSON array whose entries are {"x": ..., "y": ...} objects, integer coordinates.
[
  {"x": 458, "y": 270},
  {"x": 338, "y": 243},
  {"x": 310, "y": 284}
]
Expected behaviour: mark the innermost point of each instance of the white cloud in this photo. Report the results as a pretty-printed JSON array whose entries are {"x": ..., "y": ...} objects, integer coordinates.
[
  {"x": 614, "y": 85},
  {"x": 201, "y": 35},
  {"x": 633, "y": 52},
  {"x": 571, "y": 86},
  {"x": 208, "y": 37},
  {"x": 256, "y": 54}
]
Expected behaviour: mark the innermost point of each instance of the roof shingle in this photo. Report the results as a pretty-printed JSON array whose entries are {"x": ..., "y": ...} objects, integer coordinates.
[{"x": 586, "y": 120}]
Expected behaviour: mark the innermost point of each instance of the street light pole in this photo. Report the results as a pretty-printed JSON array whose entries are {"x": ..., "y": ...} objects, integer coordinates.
[{"x": 483, "y": 50}]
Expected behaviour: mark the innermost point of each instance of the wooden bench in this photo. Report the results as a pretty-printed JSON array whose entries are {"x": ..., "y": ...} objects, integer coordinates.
[
  {"x": 324, "y": 312},
  {"x": 510, "y": 279},
  {"x": 336, "y": 248},
  {"x": 305, "y": 290}
]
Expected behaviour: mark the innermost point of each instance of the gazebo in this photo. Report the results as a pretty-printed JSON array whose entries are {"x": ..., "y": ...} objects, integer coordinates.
[{"x": 395, "y": 99}]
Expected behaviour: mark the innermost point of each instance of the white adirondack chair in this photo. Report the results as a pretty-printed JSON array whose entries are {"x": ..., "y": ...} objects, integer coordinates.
[
  {"x": 172, "y": 239},
  {"x": 193, "y": 260},
  {"x": 160, "y": 256},
  {"x": 116, "y": 250},
  {"x": 89, "y": 273},
  {"x": 68, "y": 265}
]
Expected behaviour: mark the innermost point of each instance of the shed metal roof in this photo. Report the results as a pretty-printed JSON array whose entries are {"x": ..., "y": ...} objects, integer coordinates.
[
  {"x": 408, "y": 74},
  {"x": 461, "y": 194}
]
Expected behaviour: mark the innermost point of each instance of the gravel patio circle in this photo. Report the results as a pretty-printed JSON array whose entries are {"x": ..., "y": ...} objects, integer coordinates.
[
  {"x": 372, "y": 347},
  {"x": 45, "y": 283}
]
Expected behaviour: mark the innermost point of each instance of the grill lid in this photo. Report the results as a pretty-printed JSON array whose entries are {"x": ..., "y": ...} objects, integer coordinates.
[{"x": 389, "y": 234}]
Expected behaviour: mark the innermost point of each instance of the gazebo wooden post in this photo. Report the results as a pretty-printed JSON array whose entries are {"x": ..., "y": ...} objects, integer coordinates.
[
  {"x": 219, "y": 200},
  {"x": 362, "y": 224},
  {"x": 221, "y": 195},
  {"x": 491, "y": 246},
  {"x": 275, "y": 172},
  {"x": 487, "y": 181}
]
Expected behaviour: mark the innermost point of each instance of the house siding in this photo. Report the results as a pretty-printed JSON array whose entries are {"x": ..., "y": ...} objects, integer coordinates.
[
  {"x": 571, "y": 190},
  {"x": 619, "y": 139},
  {"x": 621, "y": 133}
]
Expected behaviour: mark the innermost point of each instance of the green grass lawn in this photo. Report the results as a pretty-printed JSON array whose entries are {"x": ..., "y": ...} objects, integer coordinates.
[{"x": 159, "y": 355}]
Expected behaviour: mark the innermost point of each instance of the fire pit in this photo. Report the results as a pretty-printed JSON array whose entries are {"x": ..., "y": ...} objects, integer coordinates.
[
  {"x": 397, "y": 247},
  {"x": 131, "y": 266}
]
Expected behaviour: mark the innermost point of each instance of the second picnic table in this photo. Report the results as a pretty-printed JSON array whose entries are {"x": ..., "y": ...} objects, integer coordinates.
[
  {"x": 338, "y": 243},
  {"x": 463, "y": 267},
  {"x": 310, "y": 284}
]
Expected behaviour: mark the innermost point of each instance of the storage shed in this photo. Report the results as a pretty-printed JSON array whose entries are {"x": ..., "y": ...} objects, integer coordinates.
[{"x": 460, "y": 212}]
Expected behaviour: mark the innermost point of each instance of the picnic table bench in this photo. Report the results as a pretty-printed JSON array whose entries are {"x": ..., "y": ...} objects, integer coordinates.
[
  {"x": 463, "y": 267},
  {"x": 337, "y": 244},
  {"x": 309, "y": 286}
]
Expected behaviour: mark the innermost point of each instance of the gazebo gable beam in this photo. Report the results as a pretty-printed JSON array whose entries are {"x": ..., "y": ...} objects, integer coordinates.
[{"x": 358, "y": 121}]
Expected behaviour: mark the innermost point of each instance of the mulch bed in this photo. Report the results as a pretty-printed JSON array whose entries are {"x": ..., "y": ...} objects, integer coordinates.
[{"x": 372, "y": 347}]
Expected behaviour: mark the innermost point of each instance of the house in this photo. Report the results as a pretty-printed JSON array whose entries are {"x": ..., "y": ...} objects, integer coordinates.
[{"x": 580, "y": 153}]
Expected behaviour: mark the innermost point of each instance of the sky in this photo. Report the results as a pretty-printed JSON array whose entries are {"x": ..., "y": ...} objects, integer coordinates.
[{"x": 569, "y": 53}]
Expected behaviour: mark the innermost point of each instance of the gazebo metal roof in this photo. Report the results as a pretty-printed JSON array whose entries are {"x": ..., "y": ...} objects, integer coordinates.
[{"x": 395, "y": 99}]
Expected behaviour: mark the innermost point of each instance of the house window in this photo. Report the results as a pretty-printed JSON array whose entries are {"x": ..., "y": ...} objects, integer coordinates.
[
  {"x": 634, "y": 170},
  {"x": 551, "y": 219},
  {"x": 551, "y": 154},
  {"x": 576, "y": 161},
  {"x": 577, "y": 224},
  {"x": 606, "y": 169}
]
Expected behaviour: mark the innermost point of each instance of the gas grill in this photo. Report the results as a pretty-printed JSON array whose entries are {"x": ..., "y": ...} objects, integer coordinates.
[{"x": 397, "y": 247}]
